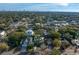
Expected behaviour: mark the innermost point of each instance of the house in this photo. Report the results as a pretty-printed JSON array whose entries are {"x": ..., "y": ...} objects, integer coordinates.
[
  {"x": 76, "y": 42},
  {"x": 30, "y": 32},
  {"x": 2, "y": 35},
  {"x": 60, "y": 23},
  {"x": 57, "y": 23},
  {"x": 73, "y": 22}
]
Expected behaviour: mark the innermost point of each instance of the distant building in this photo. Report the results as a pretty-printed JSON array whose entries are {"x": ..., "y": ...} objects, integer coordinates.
[
  {"x": 73, "y": 22},
  {"x": 57, "y": 23},
  {"x": 60, "y": 23}
]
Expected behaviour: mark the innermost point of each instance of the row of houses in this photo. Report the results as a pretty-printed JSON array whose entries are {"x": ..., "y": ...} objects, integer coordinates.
[{"x": 61, "y": 23}]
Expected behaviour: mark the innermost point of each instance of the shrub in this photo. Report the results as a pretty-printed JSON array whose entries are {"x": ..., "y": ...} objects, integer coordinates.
[
  {"x": 3, "y": 47},
  {"x": 29, "y": 47},
  {"x": 56, "y": 52},
  {"x": 57, "y": 43}
]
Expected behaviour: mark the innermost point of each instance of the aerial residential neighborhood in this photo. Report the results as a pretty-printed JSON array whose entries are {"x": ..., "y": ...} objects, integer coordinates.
[{"x": 43, "y": 32}]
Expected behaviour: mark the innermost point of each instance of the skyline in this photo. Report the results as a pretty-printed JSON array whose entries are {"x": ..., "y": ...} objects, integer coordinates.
[{"x": 59, "y": 7}]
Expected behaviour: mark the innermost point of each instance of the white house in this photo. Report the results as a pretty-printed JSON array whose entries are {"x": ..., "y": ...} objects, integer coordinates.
[
  {"x": 76, "y": 41},
  {"x": 2, "y": 34},
  {"x": 30, "y": 32}
]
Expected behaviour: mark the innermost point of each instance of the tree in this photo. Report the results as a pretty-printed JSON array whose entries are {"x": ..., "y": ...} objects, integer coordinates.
[
  {"x": 39, "y": 32},
  {"x": 16, "y": 38},
  {"x": 73, "y": 33},
  {"x": 21, "y": 28},
  {"x": 57, "y": 43},
  {"x": 56, "y": 35},
  {"x": 68, "y": 33}
]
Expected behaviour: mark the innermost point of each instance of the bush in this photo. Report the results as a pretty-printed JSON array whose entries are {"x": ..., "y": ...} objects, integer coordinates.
[
  {"x": 29, "y": 47},
  {"x": 57, "y": 43},
  {"x": 3, "y": 47},
  {"x": 56, "y": 52}
]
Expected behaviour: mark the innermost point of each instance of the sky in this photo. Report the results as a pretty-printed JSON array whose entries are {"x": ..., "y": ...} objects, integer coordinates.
[{"x": 62, "y": 7}]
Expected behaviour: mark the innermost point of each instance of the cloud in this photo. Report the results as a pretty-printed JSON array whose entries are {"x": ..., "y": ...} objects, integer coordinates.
[{"x": 62, "y": 4}]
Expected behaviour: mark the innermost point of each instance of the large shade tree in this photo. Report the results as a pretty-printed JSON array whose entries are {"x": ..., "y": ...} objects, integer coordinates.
[{"x": 15, "y": 38}]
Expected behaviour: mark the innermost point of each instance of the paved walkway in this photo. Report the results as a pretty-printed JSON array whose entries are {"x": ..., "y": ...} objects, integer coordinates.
[
  {"x": 70, "y": 51},
  {"x": 11, "y": 52}
]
